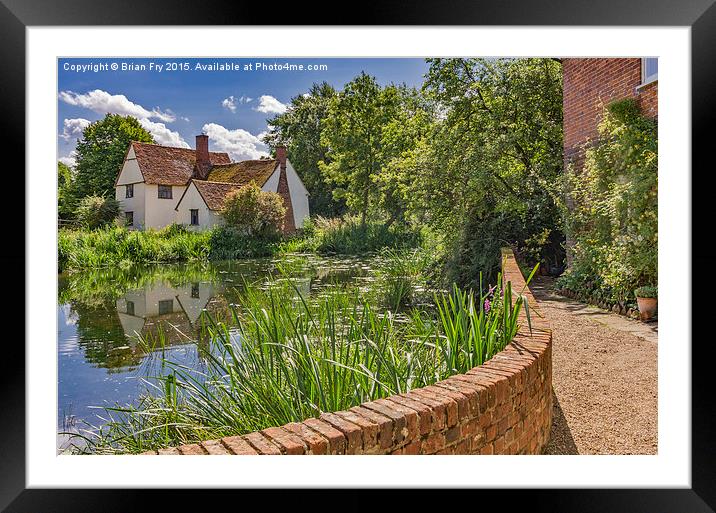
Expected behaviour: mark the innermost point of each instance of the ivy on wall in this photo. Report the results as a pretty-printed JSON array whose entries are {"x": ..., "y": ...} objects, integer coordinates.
[{"x": 614, "y": 219}]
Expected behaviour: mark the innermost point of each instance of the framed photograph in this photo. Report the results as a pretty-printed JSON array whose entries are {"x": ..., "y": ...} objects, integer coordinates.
[{"x": 438, "y": 234}]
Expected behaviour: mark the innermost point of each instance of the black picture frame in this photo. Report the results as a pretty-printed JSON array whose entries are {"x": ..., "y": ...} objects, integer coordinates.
[{"x": 700, "y": 15}]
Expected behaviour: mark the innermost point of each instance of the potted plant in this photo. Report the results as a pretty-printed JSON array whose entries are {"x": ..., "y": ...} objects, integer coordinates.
[{"x": 646, "y": 300}]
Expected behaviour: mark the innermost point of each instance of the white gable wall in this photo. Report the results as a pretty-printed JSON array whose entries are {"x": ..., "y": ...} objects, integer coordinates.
[
  {"x": 159, "y": 211},
  {"x": 299, "y": 195},
  {"x": 131, "y": 174},
  {"x": 193, "y": 200}
]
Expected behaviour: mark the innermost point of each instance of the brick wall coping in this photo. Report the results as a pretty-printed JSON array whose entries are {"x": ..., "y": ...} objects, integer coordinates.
[{"x": 501, "y": 407}]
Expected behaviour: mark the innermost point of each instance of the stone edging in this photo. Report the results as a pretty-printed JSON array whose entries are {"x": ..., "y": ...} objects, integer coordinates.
[{"x": 501, "y": 407}]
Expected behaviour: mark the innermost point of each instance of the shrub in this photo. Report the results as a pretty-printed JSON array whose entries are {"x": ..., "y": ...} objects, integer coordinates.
[
  {"x": 349, "y": 236},
  {"x": 646, "y": 291},
  {"x": 97, "y": 211},
  {"x": 251, "y": 211},
  {"x": 614, "y": 222}
]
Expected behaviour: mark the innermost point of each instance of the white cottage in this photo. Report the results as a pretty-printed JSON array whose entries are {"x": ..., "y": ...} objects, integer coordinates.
[{"x": 161, "y": 185}]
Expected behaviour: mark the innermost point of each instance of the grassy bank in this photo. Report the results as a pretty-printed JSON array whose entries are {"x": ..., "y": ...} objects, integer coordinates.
[
  {"x": 293, "y": 357},
  {"x": 120, "y": 247}
]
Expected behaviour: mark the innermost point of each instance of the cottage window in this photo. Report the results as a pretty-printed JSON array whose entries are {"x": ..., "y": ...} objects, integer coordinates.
[
  {"x": 130, "y": 307},
  {"x": 194, "y": 216},
  {"x": 649, "y": 70},
  {"x": 129, "y": 190},
  {"x": 165, "y": 191},
  {"x": 166, "y": 306},
  {"x": 129, "y": 218}
]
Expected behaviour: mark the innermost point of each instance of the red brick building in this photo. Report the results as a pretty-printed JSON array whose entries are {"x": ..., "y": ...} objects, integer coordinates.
[{"x": 590, "y": 84}]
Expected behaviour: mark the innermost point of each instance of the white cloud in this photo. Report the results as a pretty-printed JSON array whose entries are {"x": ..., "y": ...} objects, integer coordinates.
[
  {"x": 163, "y": 135},
  {"x": 103, "y": 102},
  {"x": 73, "y": 127},
  {"x": 238, "y": 143},
  {"x": 231, "y": 103},
  {"x": 70, "y": 160},
  {"x": 270, "y": 105}
]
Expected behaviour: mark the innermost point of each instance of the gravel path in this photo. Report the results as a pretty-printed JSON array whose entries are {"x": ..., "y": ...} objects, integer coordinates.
[{"x": 603, "y": 378}]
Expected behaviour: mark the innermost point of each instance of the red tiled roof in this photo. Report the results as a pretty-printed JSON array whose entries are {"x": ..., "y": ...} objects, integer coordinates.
[
  {"x": 243, "y": 172},
  {"x": 170, "y": 166},
  {"x": 214, "y": 193}
]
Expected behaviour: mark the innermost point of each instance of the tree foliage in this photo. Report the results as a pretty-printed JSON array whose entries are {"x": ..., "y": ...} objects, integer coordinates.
[
  {"x": 65, "y": 198},
  {"x": 101, "y": 151},
  {"x": 491, "y": 168},
  {"x": 299, "y": 129},
  {"x": 352, "y": 132},
  {"x": 254, "y": 212}
]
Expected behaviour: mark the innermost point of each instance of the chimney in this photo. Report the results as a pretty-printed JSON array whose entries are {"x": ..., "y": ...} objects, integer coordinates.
[
  {"x": 202, "y": 156},
  {"x": 281, "y": 156}
]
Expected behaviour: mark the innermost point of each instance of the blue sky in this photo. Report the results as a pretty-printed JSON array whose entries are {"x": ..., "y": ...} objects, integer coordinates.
[{"x": 177, "y": 104}]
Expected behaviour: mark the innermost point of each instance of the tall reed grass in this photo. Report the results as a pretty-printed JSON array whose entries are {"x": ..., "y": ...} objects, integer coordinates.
[{"x": 293, "y": 357}]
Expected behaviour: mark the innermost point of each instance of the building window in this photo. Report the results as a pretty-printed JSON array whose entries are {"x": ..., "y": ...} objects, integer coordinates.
[
  {"x": 649, "y": 70},
  {"x": 166, "y": 306},
  {"x": 130, "y": 307},
  {"x": 194, "y": 216},
  {"x": 129, "y": 190},
  {"x": 129, "y": 218},
  {"x": 195, "y": 290},
  {"x": 165, "y": 191}
]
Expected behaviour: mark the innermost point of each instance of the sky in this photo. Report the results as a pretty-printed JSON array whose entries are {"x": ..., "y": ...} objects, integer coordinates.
[{"x": 176, "y": 98}]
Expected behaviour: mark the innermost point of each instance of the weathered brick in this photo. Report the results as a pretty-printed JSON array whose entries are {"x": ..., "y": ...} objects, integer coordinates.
[
  {"x": 237, "y": 445},
  {"x": 191, "y": 449},
  {"x": 398, "y": 418},
  {"x": 315, "y": 443},
  {"x": 214, "y": 447},
  {"x": 386, "y": 424},
  {"x": 425, "y": 413},
  {"x": 287, "y": 442},
  {"x": 336, "y": 440},
  {"x": 168, "y": 450},
  {"x": 369, "y": 429},
  {"x": 352, "y": 432},
  {"x": 412, "y": 430},
  {"x": 262, "y": 444}
]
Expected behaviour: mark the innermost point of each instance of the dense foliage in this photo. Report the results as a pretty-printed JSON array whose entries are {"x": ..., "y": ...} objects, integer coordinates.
[
  {"x": 65, "y": 200},
  {"x": 95, "y": 211},
  {"x": 253, "y": 212},
  {"x": 614, "y": 220}
]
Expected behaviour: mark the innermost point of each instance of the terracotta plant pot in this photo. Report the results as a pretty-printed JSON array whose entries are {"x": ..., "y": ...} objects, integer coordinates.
[{"x": 647, "y": 307}]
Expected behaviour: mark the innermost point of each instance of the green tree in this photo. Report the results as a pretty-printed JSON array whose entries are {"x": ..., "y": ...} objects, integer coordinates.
[
  {"x": 65, "y": 199},
  {"x": 492, "y": 167},
  {"x": 101, "y": 151},
  {"x": 352, "y": 132},
  {"x": 254, "y": 212},
  {"x": 299, "y": 129}
]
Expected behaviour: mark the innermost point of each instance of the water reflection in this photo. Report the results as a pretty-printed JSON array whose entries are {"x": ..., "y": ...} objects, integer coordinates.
[{"x": 103, "y": 313}]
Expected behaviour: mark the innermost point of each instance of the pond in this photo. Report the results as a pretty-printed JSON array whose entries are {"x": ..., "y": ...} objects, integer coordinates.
[{"x": 101, "y": 315}]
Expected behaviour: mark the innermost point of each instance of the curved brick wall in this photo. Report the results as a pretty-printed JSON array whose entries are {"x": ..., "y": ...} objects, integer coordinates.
[{"x": 501, "y": 407}]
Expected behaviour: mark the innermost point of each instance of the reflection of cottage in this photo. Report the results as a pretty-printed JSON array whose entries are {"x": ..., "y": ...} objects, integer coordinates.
[
  {"x": 173, "y": 310},
  {"x": 160, "y": 185}
]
